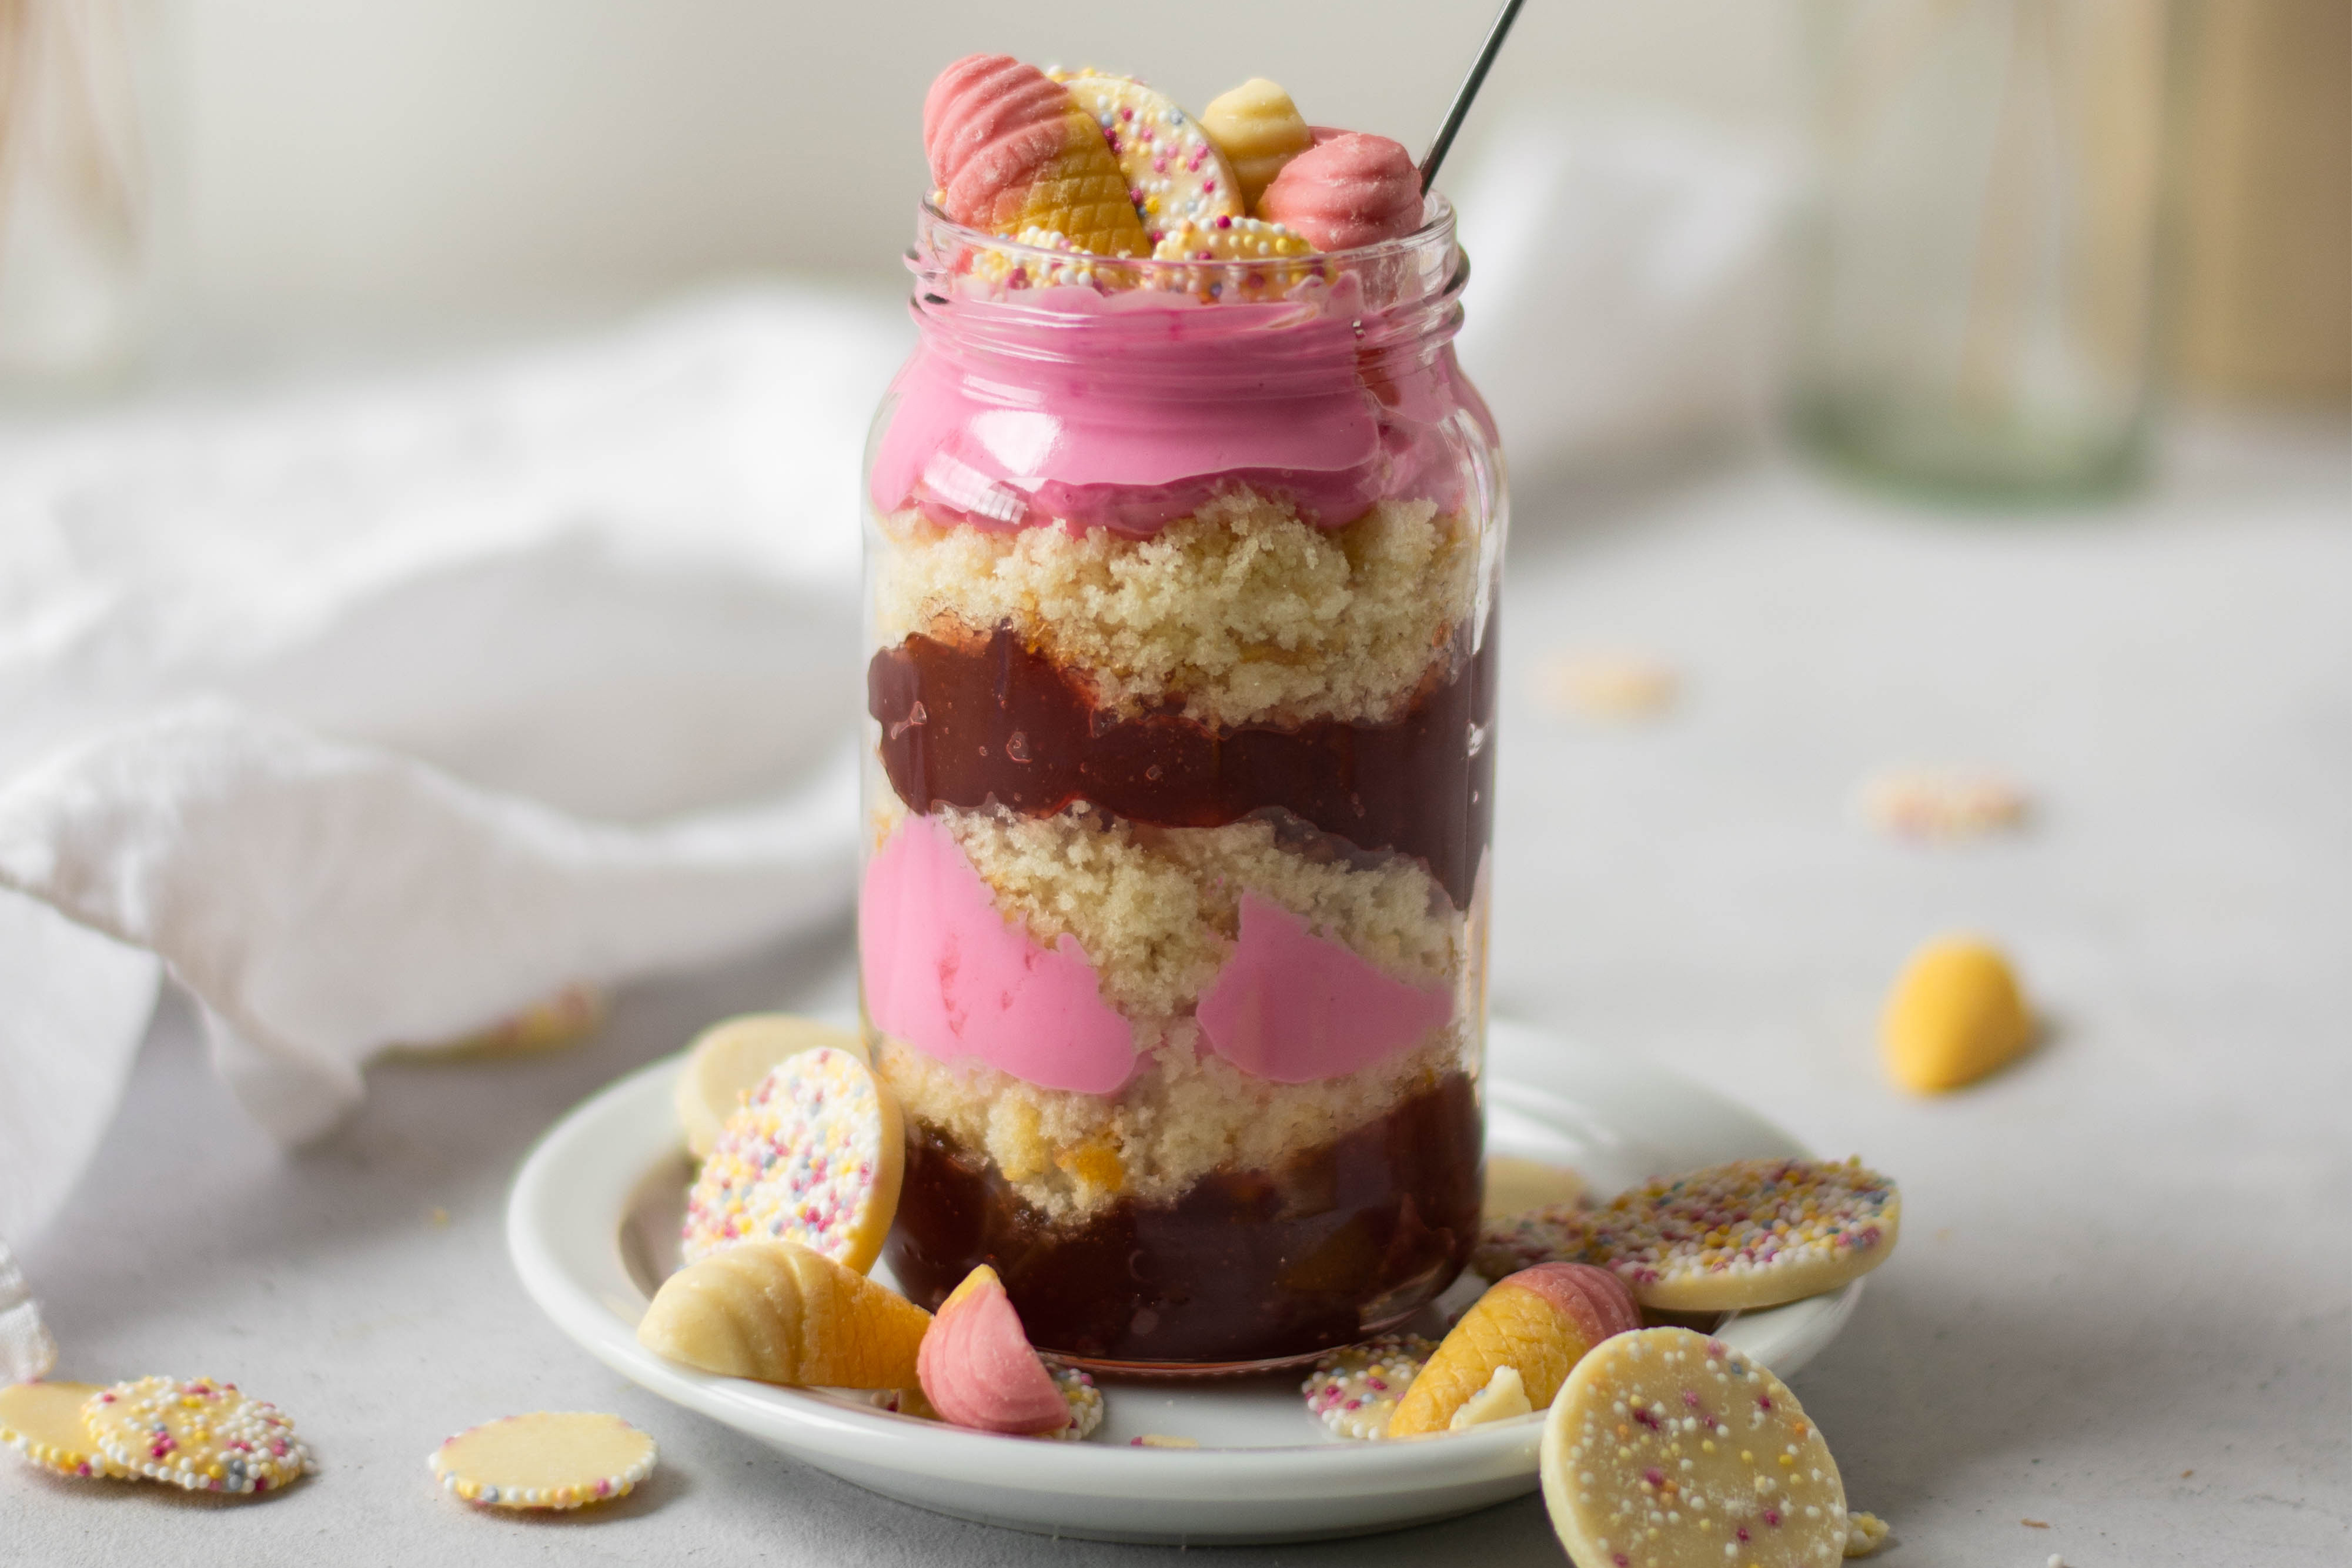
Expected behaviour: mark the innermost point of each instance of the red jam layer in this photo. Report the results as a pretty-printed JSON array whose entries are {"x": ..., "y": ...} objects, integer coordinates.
[
  {"x": 991, "y": 719},
  {"x": 1245, "y": 1266}
]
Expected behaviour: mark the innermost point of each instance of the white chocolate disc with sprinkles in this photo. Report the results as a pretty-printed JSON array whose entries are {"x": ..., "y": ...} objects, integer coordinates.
[
  {"x": 546, "y": 1460},
  {"x": 1175, "y": 175},
  {"x": 1085, "y": 1400},
  {"x": 42, "y": 1421},
  {"x": 1355, "y": 1391},
  {"x": 1754, "y": 1232},
  {"x": 1559, "y": 1234},
  {"x": 814, "y": 1156},
  {"x": 197, "y": 1433},
  {"x": 1667, "y": 1449}
]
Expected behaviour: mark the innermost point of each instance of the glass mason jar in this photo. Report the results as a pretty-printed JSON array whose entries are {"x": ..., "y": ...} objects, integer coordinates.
[{"x": 1181, "y": 600}]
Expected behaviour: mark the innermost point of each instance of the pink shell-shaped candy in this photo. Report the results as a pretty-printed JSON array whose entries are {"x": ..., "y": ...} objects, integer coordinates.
[
  {"x": 1594, "y": 1299},
  {"x": 977, "y": 1368},
  {"x": 1348, "y": 189},
  {"x": 989, "y": 123}
]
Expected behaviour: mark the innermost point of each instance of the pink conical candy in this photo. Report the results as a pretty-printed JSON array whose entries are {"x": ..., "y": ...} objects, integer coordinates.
[
  {"x": 990, "y": 123},
  {"x": 976, "y": 1366},
  {"x": 1348, "y": 189}
]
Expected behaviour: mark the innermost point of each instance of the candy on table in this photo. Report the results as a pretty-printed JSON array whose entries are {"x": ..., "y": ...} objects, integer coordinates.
[
  {"x": 1753, "y": 1232},
  {"x": 1011, "y": 150},
  {"x": 1348, "y": 189},
  {"x": 42, "y": 1420},
  {"x": 728, "y": 1061},
  {"x": 1504, "y": 1398},
  {"x": 1515, "y": 1186},
  {"x": 197, "y": 1433},
  {"x": 1162, "y": 1441},
  {"x": 1954, "y": 1015},
  {"x": 1258, "y": 129},
  {"x": 1865, "y": 1534},
  {"x": 1556, "y": 1232},
  {"x": 1355, "y": 1391},
  {"x": 1941, "y": 802},
  {"x": 1541, "y": 1322},
  {"x": 1669, "y": 1449},
  {"x": 1175, "y": 175},
  {"x": 550, "y": 1460},
  {"x": 781, "y": 1313},
  {"x": 815, "y": 1155},
  {"x": 1615, "y": 687},
  {"x": 977, "y": 1368}
]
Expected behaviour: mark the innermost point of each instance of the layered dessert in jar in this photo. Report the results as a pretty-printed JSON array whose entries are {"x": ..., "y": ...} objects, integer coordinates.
[{"x": 1184, "y": 537}]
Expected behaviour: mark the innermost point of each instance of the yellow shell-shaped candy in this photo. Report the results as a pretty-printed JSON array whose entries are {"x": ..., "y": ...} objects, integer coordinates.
[
  {"x": 1258, "y": 129},
  {"x": 1956, "y": 1014},
  {"x": 777, "y": 1312}
]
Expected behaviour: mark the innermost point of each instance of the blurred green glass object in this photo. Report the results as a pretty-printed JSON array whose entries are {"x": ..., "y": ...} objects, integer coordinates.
[{"x": 1981, "y": 258}]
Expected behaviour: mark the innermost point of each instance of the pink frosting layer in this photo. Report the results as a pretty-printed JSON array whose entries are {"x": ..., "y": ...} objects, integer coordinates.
[
  {"x": 1126, "y": 410},
  {"x": 977, "y": 1368},
  {"x": 950, "y": 976},
  {"x": 1294, "y": 1008}
]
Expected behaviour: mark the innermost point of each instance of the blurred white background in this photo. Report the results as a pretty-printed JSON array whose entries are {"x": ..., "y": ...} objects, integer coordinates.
[{"x": 367, "y": 166}]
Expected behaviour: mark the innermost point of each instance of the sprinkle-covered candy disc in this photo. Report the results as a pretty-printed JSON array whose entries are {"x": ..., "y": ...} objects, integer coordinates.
[
  {"x": 43, "y": 1422},
  {"x": 1669, "y": 1449},
  {"x": 1086, "y": 1401},
  {"x": 1753, "y": 1232},
  {"x": 1175, "y": 175},
  {"x": 1355, "y": 1391},
  {"x": 814, "y": 1156},
  {"x": 546, "y": 1459},
  {"x": 1558, "y": 1234},
  {"x": 199, "y": 1433}
]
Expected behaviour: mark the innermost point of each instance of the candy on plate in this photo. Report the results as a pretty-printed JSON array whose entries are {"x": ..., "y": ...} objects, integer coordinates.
[
  {"x": 1355, "y": 1391},
  {"x": 728, "y": 1061},
  {"x": 1669, "y": 1449},
  {"x": 781, "y": 1313},
  {"x": 550, "y": 1460},
  {"x": 42, "y": 1420},
  {"x": 1504, "y": 1398},
  {"x": 978, "y": 1368},
  {"x": 1539, "y": 1322},
  {"x": 197, "y": 1433},
  {"x": 813, "y": 1156},
  {"x": 1752, "y": 1233},
  {"x": 1515, "y": 1186}
]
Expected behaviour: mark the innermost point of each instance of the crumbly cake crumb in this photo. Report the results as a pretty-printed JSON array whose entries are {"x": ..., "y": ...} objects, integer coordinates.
[{"x": 1240, "y": 614}]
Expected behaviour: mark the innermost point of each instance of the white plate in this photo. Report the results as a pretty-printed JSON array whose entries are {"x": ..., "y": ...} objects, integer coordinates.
[{"x": 593, "y": 1226}]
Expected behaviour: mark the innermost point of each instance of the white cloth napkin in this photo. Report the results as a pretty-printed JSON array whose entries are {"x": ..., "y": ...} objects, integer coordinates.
[
  {"x": 376, "y": 716},
  {"x": 373, "y": 716}
]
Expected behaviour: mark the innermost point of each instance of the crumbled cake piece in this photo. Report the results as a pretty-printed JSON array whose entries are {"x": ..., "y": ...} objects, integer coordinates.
[{"x": 1242, "y": 614}]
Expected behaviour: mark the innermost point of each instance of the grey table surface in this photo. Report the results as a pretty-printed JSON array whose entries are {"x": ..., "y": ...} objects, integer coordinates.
[{"x": 2123, "y": 1308}]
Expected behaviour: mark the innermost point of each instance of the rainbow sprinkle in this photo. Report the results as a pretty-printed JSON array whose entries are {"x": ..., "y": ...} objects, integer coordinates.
[
  {"x": 200, "y": 1434},
  {"x": 1355, "y": 1391},
  {"x": 1085, "y": 1400},
  {"x": 796, "y": 1163},
  {"x": 1746, "y": 1218}
]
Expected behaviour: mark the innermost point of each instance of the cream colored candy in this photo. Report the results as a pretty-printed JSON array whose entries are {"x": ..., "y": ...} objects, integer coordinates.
[
  {"x": 1955, "y": 1015},
  {"x": 1507, "y": 1243},
  {"x": 1614, "y": 687},
  {"x": 1752, "y": 1233},
  {"x": 781, "y": 1313},
  {"x": 1514, "y": 1186},
  {"x": 1174, "y": 173},
  {"x": 197, "y": 1433},
  {"x": 1258, "y": 129},
  {"x": 814, "y": 1156},
  {"x": 1864, "y": 1533},
  {"x": 1504, "y": 1397},
  {"x": 728, "y": 1061},
  {"x": 548, "y": 1459},
  {"x": 1355, "y": 1391},
  {"x": 1669, "y": 1449},
  {"x": 43, "y": 1422},
  {"x": 1939, "y": 804}
]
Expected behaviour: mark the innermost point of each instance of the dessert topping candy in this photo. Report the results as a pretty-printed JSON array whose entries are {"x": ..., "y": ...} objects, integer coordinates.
[
  {"x": 1515, "y": 1186},
  {"x": 1258, "y": 129},
  {"x": 1557, "y": 1233},
  {"x": 1348, "y": 189},
  {"x": 199, "y": 1434},
  {"x": 728, "y": 1061},
  {"x": 1085, "y": 1400},
  {"x": 1231, "y": 239},
  {"x": 1669, "y": 1449},
  {"x": 1355, "y": 1391},
  {"x": 814, "y": 1156},
  {"x": 1175, "y": 175},
  {"x": 1539, "y": 1322},
  {"x": 1753, "y": 1232},
  {"x": 1955, "y": 1015},
  {"x": 977, "y": 1368},
  {"x": 546, "y": 1460},
  {"x": 43, "y": 1422},
  {"x": 1011, "y": 150},
  {"x": 781, "y": 1313},
  {"x": 1504, "y": 1398}
]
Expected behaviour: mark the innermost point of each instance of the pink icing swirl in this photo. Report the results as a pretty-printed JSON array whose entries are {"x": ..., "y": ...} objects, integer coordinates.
[{"x": 1351, "y": 188}]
